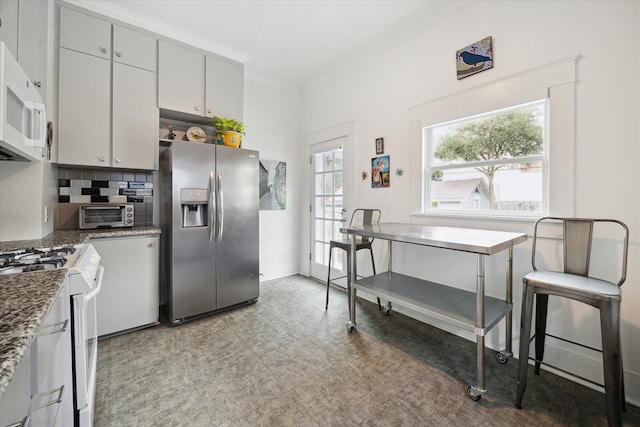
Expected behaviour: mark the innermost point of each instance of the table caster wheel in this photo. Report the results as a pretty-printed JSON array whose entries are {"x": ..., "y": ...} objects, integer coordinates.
[
  {"x": 472, "y": 394},
  {"x": 502, "y": 358},
  {"x": 386, "y": 309},
  {"x": 351, "y": 328}
]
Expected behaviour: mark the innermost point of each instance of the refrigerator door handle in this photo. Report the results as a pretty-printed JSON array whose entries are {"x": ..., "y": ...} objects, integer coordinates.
[
  {"x": 212, "y": 208},
  {"x": 220, "y": 208}
]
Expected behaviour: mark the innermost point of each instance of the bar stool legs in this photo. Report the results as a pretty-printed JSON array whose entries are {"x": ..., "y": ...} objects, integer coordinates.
[
  {"x": 373, "y": 266},
  {"x": 525, "y": 333},
  {"x": 612, "y": 360},
  {"x": 611, "y": 350}
]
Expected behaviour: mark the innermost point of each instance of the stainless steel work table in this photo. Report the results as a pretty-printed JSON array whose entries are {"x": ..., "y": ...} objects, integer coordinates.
[{"x": 475, "y": 312}]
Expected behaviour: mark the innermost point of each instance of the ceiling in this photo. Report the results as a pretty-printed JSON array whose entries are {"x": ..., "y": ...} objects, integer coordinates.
[{"x": 294, "y": 42}]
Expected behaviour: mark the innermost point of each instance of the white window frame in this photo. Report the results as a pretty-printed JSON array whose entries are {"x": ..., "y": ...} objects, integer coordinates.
[
  {"x": 555, "y": 82},
  {"x": 430, "y": 168}
]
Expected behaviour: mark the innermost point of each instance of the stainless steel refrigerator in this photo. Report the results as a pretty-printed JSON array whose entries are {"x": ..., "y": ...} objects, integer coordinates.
[{"x": 209, "y": 220}]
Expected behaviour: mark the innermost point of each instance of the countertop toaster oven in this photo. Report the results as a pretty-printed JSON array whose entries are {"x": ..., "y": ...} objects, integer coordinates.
[{"x": 106, "y": 216}]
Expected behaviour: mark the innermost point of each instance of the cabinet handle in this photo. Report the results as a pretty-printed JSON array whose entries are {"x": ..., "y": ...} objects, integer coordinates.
[
  {"x": 197, "y": 108},
  {"x": 102, "y": 49},
  {"x": 101, "y": 158},
  {"x": 118, "y": 54},
  {"x": 53, "y": 401},
  {"x": 209, "y": 111},
  {"x": 23, "y": 423},
  {"x": 117, "y": 160},
  {"x": 36, "y": 83},
  {"x": 151, "y": 245},
  {"x": 57, "y": 328}
]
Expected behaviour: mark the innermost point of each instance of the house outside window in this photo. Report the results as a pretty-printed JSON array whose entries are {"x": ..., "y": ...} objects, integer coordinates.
[{"x": 489, "y": 164}]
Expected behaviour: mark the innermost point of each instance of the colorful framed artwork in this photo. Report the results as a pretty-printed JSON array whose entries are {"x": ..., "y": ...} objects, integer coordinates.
[
  {"x": 379, "y": 145},
  {"x": 474, "y": 58},
  {"x": 380, "y": 172}
]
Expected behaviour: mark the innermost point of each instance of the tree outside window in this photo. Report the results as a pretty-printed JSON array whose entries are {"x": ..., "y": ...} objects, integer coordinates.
[{"x": 493, "y": 162}]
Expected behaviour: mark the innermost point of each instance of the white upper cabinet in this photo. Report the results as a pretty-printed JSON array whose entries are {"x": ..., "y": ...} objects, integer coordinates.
[
  {"x": 84, "y": 33},
  {"x": 135, "y": 118},
  {"x": 83, "y": 109},
  {"x": 224, "y": 88},
  {"x": 134, "y": 49},
  {"x": 206, "y": 86},
  {"x": 9, "y": 28},
  {"x": 107, "y": 113},
  {"x": 24, "y": 31},
  {"x": 180, "y": 79}
]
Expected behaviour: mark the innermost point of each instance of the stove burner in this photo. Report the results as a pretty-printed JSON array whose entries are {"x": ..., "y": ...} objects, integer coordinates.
[{"x": 33, "y": 259}]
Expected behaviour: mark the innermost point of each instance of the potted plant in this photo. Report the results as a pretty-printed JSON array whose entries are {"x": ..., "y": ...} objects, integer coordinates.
[{"x": 229, "y": 131}]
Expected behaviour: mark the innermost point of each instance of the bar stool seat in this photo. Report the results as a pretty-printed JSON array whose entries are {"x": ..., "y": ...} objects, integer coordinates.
[
  {"x": 580, "y": 285},
  {"x": 574, "y": 283}
]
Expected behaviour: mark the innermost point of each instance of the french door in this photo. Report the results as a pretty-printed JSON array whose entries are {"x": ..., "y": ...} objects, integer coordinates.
[{"x": 327, "y": 205}]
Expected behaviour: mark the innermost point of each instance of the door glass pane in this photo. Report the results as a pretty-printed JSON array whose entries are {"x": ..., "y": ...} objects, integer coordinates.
[
  {"x": 319, "y": 163},
  {"x": 328, "y": 205},
  {"x": 328, "y": 184},
  {"x": 337, "y": 183},
  {"x": 319, "y": 253},
  {"x": 319, "y": 181},
  {"x": 328, "y": 230},
  {"x": 318, "y": 207},
  {"x": 327, "y": 159},
  {"x": 337, "y": 160}
]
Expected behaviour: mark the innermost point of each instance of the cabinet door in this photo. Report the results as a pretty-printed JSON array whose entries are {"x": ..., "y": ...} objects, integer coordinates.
[
  {"x": 52, "y": 403},
  {"x": 85, "y": 33},
  {"x": 9, "y": 27},
  {"x": 135, "y": 118},
  {"x": 83, "y": 109},
  {"x": 224, "y": 88},
  {"x": 129, "y": 295},
  {"x": 133, "y": 48},
  {"x": 32, "y": 42},
  {"x": 180, "y": 79},
  {"x": 14, "y": 402}
]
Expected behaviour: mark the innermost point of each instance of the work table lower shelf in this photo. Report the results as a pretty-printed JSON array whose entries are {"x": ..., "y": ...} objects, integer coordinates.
[{"x": 453, "y": 305}]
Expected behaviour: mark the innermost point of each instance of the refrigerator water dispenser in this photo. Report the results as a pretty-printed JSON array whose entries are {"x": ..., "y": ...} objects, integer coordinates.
[{"x": 194, "y": 203}]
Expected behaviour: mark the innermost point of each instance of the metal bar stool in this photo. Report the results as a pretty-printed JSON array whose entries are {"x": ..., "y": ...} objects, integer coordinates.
[
  {"x": 575, "y": 283},
  {"x": 359, "y": 217}
]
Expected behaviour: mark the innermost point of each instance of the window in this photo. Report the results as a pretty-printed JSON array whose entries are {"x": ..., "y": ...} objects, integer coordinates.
[{"x": 494, "y": 162}]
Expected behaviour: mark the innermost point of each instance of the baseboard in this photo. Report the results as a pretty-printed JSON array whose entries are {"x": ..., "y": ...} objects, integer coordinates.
[{"x": 277, "y": 271}]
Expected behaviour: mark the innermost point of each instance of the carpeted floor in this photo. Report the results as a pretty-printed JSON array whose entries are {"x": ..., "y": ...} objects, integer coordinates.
[{"x": 286, "y": 361}]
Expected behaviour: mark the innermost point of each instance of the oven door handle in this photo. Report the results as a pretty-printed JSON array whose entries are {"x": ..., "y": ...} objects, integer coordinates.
[{"x": 90, "y": 295}]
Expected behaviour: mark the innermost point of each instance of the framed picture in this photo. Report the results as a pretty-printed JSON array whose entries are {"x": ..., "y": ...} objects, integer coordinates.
[
  {"x": 379, "y": 145},
  {"x": 474, "y": 58},
  {"x": 380, "y": 172}
]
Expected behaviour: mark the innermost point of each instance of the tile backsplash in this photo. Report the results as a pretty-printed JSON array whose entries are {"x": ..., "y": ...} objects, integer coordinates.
[{"x": 78, "y": 187}]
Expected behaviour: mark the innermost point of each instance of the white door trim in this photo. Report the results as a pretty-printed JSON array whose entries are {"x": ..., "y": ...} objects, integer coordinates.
[{"x": 348, "y": 131}]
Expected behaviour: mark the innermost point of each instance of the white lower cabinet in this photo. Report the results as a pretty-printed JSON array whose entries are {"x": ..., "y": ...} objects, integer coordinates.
[
  {"x": 41, "y": 390},
  {"x": 14, "y": 405},
  {"x": 51, "y": 404},
  {"x": 129, "y": 295}
]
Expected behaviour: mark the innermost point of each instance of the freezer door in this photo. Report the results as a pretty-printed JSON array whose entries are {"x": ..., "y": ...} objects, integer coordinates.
[
  {"x": 237, "y": 225},
  {"x": 193, "y": 283}
]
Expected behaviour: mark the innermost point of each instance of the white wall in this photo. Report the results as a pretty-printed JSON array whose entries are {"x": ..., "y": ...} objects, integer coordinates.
[
  {"x": 25, "y": 189},
  {"x": 272, "y": 116},
  {"x": 377, "y": 89}
]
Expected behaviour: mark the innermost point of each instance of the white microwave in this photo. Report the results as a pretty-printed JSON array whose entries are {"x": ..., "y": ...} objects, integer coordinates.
[{"x": 23, "y": 121}]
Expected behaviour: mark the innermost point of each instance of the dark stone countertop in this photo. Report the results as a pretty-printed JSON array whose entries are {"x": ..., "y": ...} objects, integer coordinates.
[
  {"x": 76, "y": 237},
  {"x": 26, "y": 298}
]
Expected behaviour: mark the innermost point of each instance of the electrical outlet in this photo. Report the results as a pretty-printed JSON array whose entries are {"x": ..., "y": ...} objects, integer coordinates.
[{"x": 46, "y": 214}]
